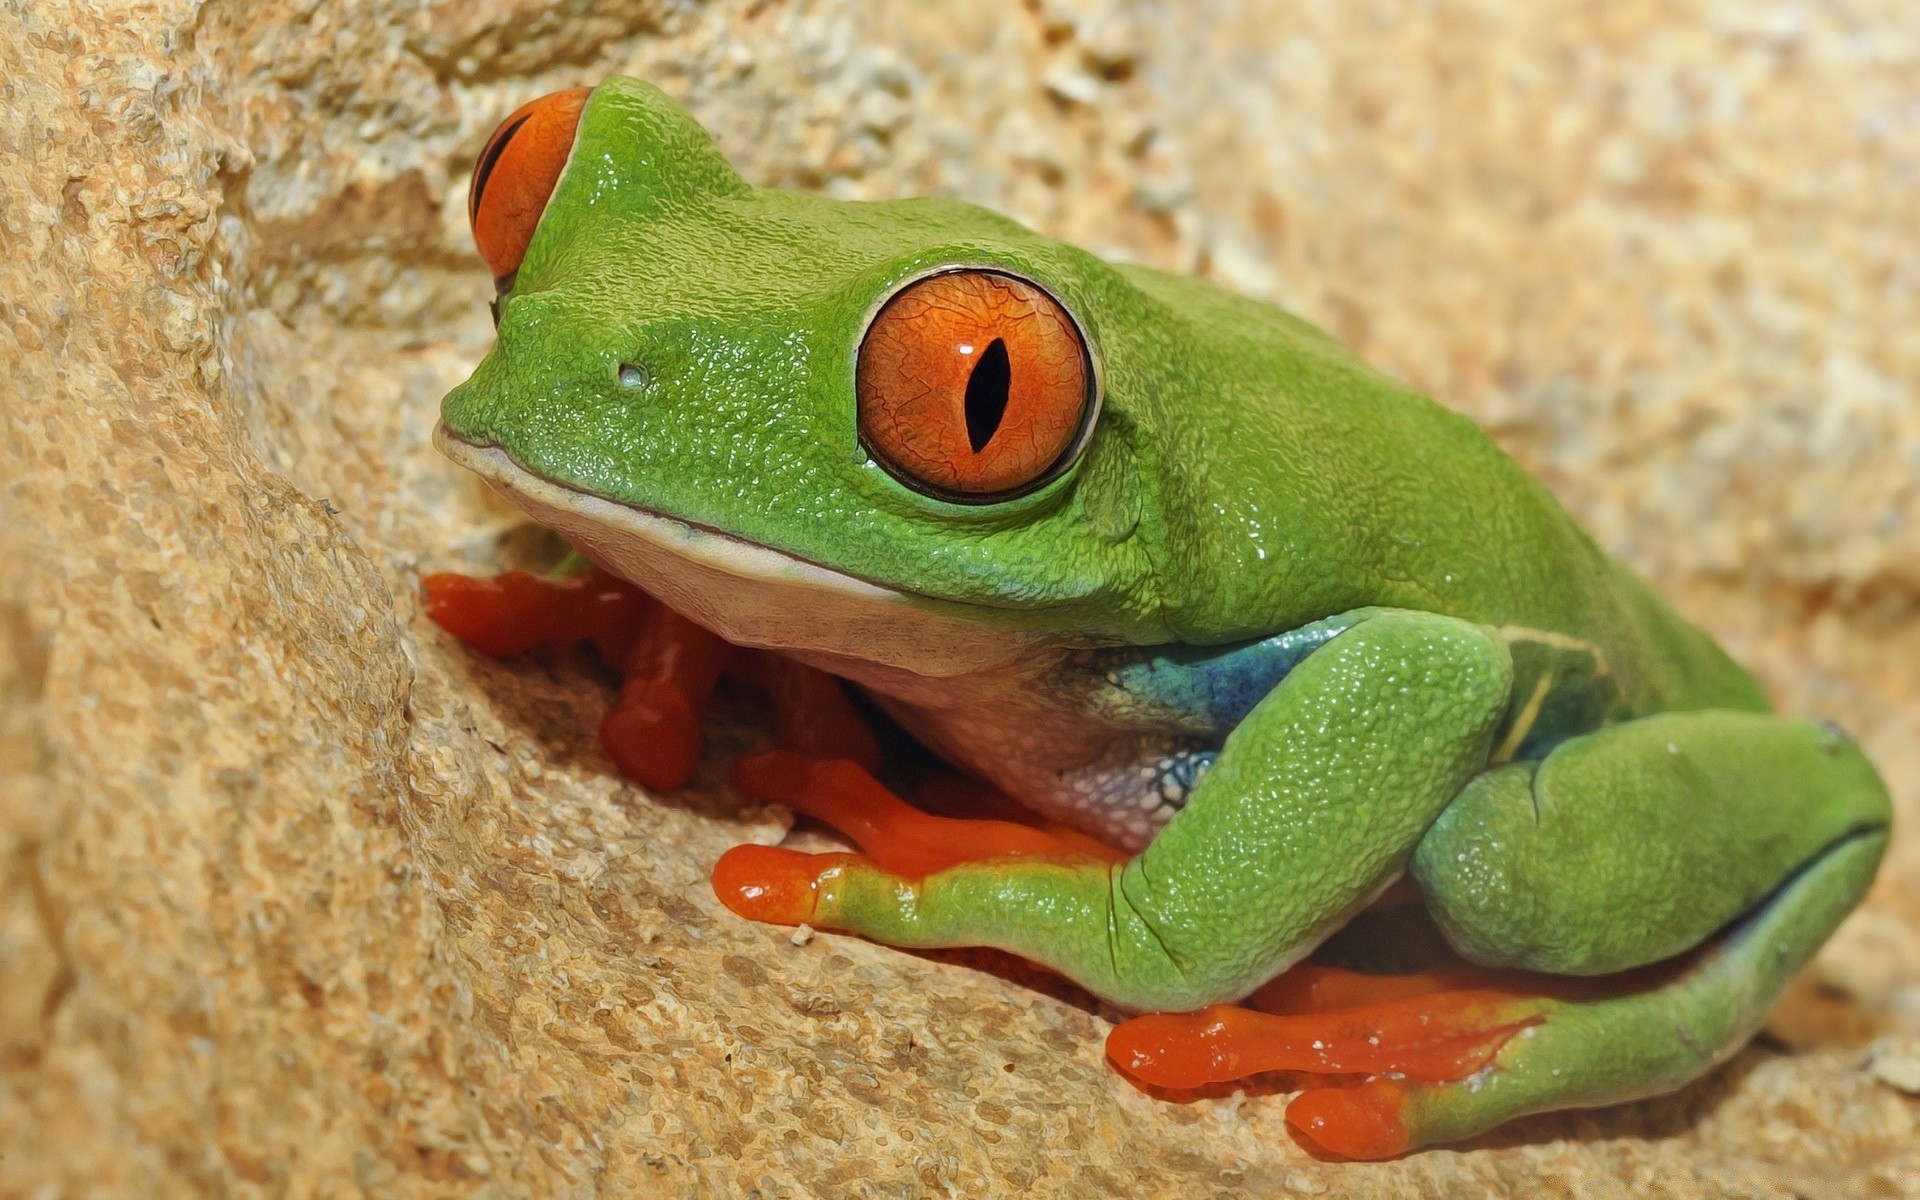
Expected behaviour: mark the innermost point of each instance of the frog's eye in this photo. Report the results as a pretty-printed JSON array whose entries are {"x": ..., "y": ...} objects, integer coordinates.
[
  {"x": 974, "y": 385},
  {"x": 516, "y": 174}
]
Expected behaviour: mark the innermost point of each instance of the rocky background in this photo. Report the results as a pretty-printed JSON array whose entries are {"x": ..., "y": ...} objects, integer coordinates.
[{"x": 298, "y": 897}]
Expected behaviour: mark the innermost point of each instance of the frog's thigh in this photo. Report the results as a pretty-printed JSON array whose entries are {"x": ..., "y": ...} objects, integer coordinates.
[{"x": 1634, "y": 843}]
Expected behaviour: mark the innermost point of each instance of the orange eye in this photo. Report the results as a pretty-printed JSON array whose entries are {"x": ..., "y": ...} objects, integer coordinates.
[
  {"x": 516, "y": 174},
  {"x": 973, "y": 383}
]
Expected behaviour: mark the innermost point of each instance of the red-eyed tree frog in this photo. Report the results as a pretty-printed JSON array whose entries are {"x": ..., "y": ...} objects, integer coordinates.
[{"x": 1290, "y": 660}]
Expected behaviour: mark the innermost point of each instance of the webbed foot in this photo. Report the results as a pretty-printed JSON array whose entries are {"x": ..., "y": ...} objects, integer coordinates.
[{"x": 1433, "y": 1027}]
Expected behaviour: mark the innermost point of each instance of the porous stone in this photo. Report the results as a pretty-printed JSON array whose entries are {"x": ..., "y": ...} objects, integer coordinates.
[{"x": 299, "y": 897}]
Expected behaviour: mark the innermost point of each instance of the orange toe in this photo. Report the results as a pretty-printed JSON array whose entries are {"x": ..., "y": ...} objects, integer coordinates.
[
  {"x": 1174, "y": 1050},
  {"x": 1361, "y": 1122},
  {"x": 515, "y": 611},
  {"x": 1436, "y": 1038},
  {"x": 769, "y": 883},
  {"x": 652, "y": 733},
  {"x": 501, "y": 615},
  {"x": 775, "y": 776},
  {"x": 812, "y": 714}
]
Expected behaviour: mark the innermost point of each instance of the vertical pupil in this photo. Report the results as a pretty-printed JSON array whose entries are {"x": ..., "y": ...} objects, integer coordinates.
[
  {"x": 987, "y": 395},
  {"x": 489, "y": 161}
]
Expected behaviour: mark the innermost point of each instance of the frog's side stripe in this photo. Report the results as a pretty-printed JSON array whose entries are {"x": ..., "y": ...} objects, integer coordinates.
[
  {"x": 1563, "y": 686},
  {"x": 1522, "y": 723},
  {"x": 1205, "y": 690},
  {"x": 1558, "y": 641}
]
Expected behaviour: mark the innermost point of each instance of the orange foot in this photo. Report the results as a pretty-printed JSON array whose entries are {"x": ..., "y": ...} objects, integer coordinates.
[
  {"x": 1426, "y": 1028},
  {"x": 891, "y": 833},
  {"x": 511, "y": 613},
  {"x": 668, "y": 673},
  {"x": 669, "y": 665}
]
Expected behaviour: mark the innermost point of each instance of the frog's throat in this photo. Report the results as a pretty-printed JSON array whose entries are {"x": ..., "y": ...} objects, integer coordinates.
[{"x": 754, "y": 595}]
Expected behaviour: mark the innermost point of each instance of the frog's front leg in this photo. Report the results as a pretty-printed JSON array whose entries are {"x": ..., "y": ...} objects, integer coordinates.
[
  {"x": 669, "y": 665},
  {"x": 891, "y": 833},
  {"x": 1312, "y": 808}
]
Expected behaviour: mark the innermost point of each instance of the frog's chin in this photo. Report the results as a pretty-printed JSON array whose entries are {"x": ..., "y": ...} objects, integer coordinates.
[{"x": 753, "y": 595}]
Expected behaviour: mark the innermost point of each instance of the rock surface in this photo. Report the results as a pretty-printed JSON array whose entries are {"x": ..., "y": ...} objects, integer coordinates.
[{"x": 297, "y": 897}]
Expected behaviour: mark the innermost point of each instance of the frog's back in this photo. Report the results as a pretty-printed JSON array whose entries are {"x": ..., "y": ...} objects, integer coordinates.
[{"x": 1319, "y": 486}]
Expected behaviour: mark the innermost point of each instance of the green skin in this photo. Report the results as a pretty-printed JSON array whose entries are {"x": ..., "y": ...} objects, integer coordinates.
[{"x": 1578, "y": 780}]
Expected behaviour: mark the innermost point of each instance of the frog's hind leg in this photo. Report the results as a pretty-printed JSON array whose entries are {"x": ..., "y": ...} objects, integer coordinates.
[
  {"x": 1635, "y": 843},
  {"x": 1612, "y": 864},
  {"x": 1634, "y": 847},
  {"x": 1584, "y": 1053}
]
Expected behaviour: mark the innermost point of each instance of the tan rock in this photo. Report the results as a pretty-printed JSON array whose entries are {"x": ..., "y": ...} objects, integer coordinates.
[
  {"x": 1896, "y": 1063},
  {"x": 297, "y": 897}
]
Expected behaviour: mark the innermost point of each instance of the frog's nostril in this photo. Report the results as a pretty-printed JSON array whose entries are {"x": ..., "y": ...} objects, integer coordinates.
[{"x": 634, "y": 376}]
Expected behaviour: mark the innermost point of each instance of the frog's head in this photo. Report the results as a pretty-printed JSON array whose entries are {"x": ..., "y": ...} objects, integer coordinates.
[{"x": 884, "y": 432}]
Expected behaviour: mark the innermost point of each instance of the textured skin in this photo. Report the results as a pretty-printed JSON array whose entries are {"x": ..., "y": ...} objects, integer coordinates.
[
  {"x": 1521, "y": 869},
  {"x": 1345, "y": 589}
]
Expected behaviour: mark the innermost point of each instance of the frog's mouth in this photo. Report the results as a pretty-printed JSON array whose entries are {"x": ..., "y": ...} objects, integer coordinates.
[{"x": 754, "y": 595}]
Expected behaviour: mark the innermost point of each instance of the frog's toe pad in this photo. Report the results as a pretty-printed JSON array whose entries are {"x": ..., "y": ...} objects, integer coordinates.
[
  {"x": 781, "y": 886},
  {"x": 1363, "y": 1122}
]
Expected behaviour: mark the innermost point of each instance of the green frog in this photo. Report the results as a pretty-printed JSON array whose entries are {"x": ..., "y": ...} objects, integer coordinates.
[{"x": 1174, "y": 568}]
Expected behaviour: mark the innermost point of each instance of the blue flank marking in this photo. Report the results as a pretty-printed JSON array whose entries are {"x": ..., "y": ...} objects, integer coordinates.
[{"x": 1207, "y": 688}]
